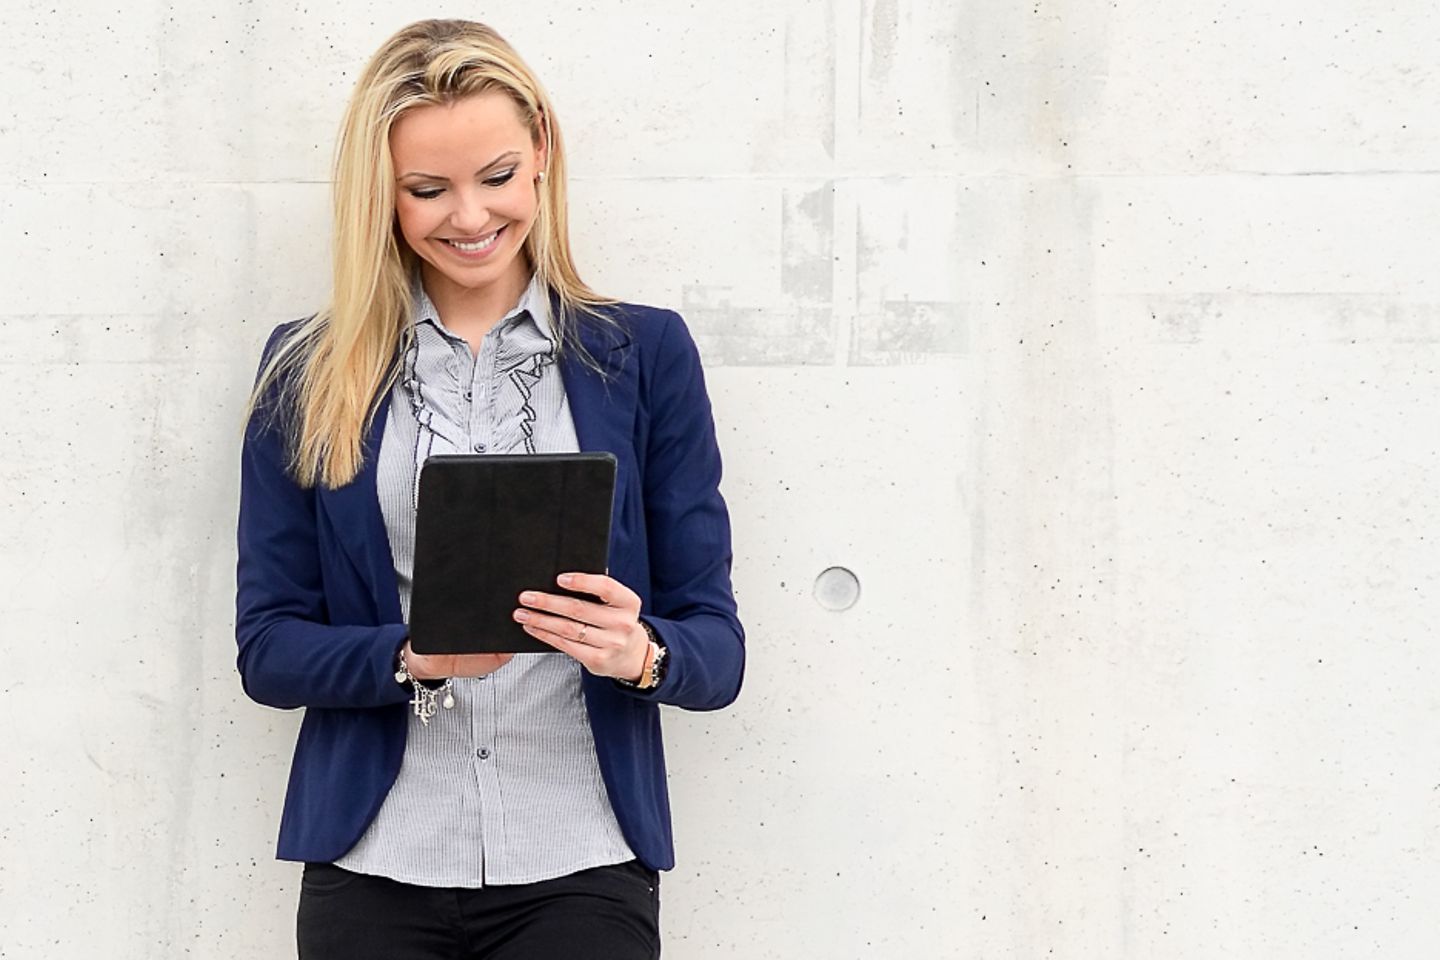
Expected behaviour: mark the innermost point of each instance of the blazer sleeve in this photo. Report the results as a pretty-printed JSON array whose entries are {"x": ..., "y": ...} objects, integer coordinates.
[
  {"x": 290, "y": 655},
  {"x": 688, "y": 529}
]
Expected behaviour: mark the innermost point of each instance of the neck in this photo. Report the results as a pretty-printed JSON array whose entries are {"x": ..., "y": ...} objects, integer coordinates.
[{"x": 472, "y": 312}]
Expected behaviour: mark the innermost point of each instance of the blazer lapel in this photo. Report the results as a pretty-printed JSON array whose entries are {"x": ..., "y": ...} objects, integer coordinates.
[
  {"x": 354, "y": 512},
  {"x": 603, "y": 407},
  {"x": 603, "y": 410}
]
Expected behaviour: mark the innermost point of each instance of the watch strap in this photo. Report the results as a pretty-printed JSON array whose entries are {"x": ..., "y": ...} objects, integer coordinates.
[{"x": 654, "y": 669}]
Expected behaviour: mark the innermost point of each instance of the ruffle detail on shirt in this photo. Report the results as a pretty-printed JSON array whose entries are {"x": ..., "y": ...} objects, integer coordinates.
[
  {"x": 436, "y": 390},
  {"x": 524, "y": 378},
  {"x": 513, "y": 394}
]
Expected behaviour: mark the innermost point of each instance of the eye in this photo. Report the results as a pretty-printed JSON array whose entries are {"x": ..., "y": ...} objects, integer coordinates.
[
  {"x": 425, "y": 193},
  {"x": 500, "y": 179}
]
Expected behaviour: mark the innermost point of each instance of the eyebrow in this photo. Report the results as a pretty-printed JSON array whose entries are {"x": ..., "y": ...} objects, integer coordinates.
[{"x": 419, "y": 175}]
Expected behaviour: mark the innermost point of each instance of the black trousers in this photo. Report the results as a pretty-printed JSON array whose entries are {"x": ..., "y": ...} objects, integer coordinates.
[{"x": 606, "y": 913}]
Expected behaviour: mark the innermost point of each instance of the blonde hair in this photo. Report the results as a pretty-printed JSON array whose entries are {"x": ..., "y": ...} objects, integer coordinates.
[{"x": 331, "y": 367}]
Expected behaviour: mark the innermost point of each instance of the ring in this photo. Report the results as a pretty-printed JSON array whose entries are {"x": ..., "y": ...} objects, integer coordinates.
[{"x": 583, "y": 628}]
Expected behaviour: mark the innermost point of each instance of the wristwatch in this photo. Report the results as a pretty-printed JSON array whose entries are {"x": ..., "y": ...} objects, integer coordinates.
[{"x": 656, "y": 661}]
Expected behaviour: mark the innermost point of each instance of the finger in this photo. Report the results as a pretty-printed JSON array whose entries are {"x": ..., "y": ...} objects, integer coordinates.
[
  {"x": 610, "y": 591},
  {"x": 581, "y": 611},
  {"x": 574, "y": 631},
  {"x": 581, "y": 652},
  {"x": 604, "y": 661},
  {"x": 432, "y": 666},
  {"x": 482, "y": 661},
  {"x": 438, "y": 666}
]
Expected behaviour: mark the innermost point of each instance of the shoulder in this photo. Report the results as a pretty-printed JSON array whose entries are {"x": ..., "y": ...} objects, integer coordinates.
[
  {"x": 657, "y": 330},
  {"x": 285, "y": 334},
  {"x": 284, "y": 352},
  {"x": 273, "y": 392}
]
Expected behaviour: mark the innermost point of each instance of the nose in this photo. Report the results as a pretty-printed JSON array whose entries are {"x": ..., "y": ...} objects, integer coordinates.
[{"x": 470, "y": 213}]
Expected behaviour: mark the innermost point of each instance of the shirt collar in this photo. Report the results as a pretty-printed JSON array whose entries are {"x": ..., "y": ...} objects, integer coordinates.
[{"x": 533, "y": 301}]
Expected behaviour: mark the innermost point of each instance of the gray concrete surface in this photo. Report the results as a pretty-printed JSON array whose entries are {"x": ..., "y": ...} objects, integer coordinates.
[{"x": 1099, "y": 340}]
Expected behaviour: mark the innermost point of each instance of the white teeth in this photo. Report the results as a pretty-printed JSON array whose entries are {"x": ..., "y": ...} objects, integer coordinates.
[{"x": 474, "y": 247}]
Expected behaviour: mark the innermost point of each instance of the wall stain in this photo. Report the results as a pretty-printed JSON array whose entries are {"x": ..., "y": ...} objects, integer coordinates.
[{"x": 794, "y": 327}]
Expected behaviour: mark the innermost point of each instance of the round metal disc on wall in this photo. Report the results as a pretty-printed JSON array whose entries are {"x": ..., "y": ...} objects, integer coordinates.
[{"x": 837, "y": 588}]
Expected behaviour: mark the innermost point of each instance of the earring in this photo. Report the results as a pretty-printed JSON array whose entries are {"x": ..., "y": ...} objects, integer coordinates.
[{"x": 540, "y": 177}]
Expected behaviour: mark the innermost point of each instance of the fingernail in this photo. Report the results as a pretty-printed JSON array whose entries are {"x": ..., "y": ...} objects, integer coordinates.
[
  {"x": 522, "y": 615},
  {"x": 566, "y": 579},
  {"x": 528, "y": 597}
]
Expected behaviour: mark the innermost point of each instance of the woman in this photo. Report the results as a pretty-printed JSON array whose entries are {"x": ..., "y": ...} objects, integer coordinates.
[{"x": 482, "y": 805}]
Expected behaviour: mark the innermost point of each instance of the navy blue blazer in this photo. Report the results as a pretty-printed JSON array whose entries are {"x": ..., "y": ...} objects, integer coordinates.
[{"x": 318, "y": 618}]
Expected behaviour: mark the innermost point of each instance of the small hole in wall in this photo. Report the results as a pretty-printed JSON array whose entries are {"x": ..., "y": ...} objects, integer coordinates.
[{"x": 837, "y": 588}]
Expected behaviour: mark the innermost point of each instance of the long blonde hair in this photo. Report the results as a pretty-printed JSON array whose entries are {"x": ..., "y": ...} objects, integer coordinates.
[{"x": 330, "y": 368}]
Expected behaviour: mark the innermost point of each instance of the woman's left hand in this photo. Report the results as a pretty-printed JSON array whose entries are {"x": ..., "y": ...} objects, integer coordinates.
[{"x": 606, "y": 637}]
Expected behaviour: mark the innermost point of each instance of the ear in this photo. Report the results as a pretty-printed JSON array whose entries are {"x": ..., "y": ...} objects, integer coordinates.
[{"x": 542, "y": 149}]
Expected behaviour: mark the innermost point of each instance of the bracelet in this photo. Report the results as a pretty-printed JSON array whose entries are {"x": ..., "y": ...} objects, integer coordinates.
[{"x": 425, "y": 700}]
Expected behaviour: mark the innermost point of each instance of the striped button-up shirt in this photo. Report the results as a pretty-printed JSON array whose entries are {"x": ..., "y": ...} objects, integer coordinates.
[{"x": 503, "y": 788}]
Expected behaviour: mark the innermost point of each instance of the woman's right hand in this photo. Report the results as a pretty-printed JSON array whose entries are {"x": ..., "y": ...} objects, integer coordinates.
[{"x": 438, "y": 666}]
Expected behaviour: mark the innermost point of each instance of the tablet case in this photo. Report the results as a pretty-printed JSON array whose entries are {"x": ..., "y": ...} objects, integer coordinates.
[{"x": 490, "y": 526}]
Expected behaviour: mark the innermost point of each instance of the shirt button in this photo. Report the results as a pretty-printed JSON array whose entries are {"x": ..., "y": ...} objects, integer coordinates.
[
  {"x": 483, "y": 753},
  {"x": 479, "y": 448}
]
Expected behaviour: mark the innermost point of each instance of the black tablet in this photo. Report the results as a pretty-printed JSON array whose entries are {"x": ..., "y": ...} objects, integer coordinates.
[{"x": 488, "y": 527}]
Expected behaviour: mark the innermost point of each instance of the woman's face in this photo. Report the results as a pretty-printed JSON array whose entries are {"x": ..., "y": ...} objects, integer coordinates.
[{"x": 465, "y": 194}]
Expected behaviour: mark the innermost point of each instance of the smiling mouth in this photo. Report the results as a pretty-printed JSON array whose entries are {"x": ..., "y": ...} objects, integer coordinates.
[{"x": 474, "y": 246}]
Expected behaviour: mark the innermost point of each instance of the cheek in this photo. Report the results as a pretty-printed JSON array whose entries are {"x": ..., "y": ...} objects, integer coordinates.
[
  {"x": 412, "y": 220},
  {"x": 518, "y": 203}
]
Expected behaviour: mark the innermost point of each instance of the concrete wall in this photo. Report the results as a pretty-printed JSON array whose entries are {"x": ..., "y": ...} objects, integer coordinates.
[{"x": 1098, "y": 340}]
